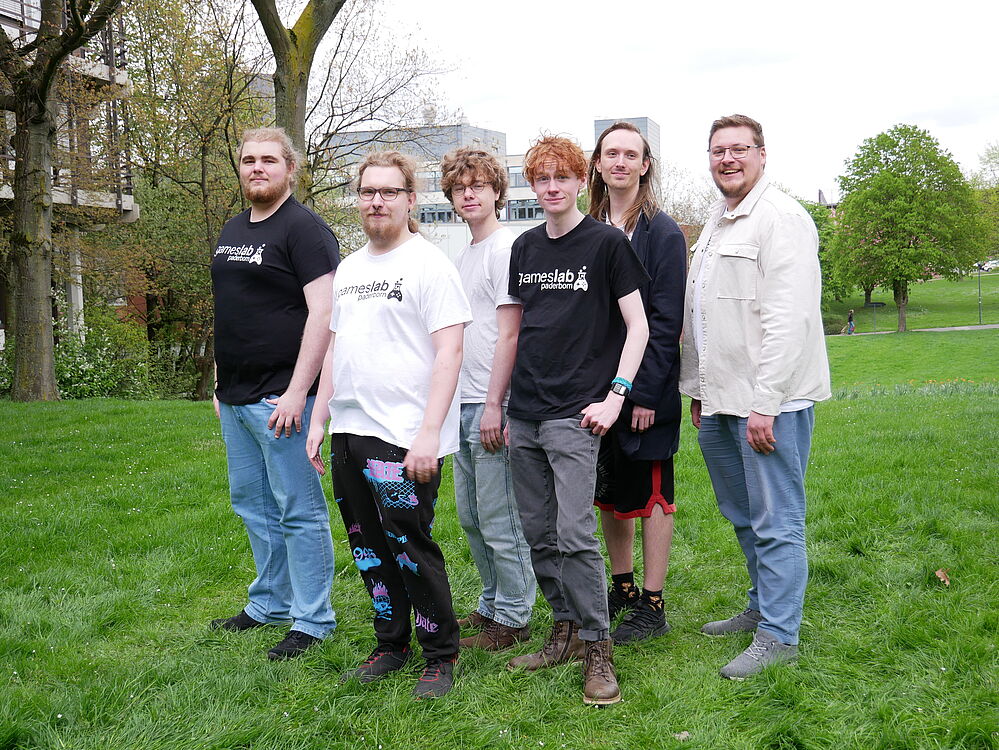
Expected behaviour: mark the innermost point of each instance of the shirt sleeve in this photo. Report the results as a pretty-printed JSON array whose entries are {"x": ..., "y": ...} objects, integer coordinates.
[
  {"x": 313, "y": 249},
  {"x": 443, "y": 301},
  {"x": 499, "y": 276}
]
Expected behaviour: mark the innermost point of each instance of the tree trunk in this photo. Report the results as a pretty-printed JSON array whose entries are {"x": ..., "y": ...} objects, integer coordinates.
[
  {"x": 206, "y": 368},
  {"x": 291, "y": 88},
  {"x": 868, "y": 291},
  {"x": 31, "y": 251},
  {"x": 901, "y": 289}
]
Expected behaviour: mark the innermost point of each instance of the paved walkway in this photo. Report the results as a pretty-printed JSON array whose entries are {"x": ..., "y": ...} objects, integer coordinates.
[{"x": 949, "y": 328}]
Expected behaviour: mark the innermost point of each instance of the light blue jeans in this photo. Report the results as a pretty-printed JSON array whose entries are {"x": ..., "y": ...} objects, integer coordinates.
[
  {"x": 487, "y": 511},
  {"x": 764, "y": 498},
  {"x": 277, "y": 493}
]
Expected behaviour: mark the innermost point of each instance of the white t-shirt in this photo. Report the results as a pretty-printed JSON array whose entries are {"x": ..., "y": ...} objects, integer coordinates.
[
  {"x": 485, "y": 271},
  {"x": 384, "y": 309}
]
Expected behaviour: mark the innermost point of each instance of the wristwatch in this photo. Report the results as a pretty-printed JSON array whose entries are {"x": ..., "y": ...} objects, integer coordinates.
[{"x": 620, "y": 389}]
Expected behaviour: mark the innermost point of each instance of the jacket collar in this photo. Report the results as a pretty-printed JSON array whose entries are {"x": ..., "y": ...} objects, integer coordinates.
[{"x": 747, "y": 204}]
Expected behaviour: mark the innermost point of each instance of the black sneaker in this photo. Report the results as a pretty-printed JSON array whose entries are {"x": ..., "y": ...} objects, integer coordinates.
[
  {"x": 618, "y": 600},
  {"x": 294, "y": 644},
  {"x": 437, "y": 679},
  {"x": 242, "y": 621},
  {"x": 383, "y": 660},
  {"x": 644, "y": 621}
]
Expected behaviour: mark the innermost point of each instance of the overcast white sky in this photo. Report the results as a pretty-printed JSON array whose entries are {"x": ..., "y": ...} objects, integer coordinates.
[{"x": 820, "y": 77}]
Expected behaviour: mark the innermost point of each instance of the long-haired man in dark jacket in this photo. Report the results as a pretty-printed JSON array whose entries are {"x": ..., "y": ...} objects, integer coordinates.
[{"x": 635, "y": 467}]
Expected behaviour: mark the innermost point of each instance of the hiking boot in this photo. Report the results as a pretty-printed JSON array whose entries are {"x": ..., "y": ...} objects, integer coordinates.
[
  {"x": 474, "y": 619},
  {"x": 437, "y": 678},
  {"x": 383, "y": 660},
  {"x": 619, "y": 599},
  {"x": 763, "y": 651},
  {"x": 236, "y": 623},
  {"x": 600, "y": 686},
  {"x": 495, "y": 637},
  {"x": 294, "y": 644},
  {"x": 645, "y": 621},
  {"x": 744, "y": 622},
  {"x": 563, "y": 645}
]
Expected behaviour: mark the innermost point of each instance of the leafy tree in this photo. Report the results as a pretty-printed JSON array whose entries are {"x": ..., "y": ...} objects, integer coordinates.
[
  {"x": 986, "y": 184},
  {"x": 30, "y": 68},
  {"x": 907, "y": 213}
]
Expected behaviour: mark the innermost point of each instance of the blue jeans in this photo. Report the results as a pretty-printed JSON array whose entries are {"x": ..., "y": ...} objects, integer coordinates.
[
  {"x": 277, "y": 493},
  {"x": 554, "y": 468},
  {"x": 487, "y": 511},
  {"x": 764, "y": 498}
]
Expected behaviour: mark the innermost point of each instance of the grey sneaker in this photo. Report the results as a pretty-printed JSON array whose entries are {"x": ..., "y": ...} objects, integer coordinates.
[
  {"x": 763, "y": 651},
  {"x": 744, "y": 622}
]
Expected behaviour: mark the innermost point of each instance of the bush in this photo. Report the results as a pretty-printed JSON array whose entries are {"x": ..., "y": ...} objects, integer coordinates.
[{"x": 109, "y": 359}]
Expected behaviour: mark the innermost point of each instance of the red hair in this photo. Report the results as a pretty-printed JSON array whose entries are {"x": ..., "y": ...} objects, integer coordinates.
[{"x": 554, "y": 149}]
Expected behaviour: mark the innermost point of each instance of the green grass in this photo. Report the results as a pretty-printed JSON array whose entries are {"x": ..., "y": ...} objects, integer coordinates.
[
  {"x": 118, "y": 545},
  {"x": 932, "y": 304},
  {"x": 914, "y": 358}
]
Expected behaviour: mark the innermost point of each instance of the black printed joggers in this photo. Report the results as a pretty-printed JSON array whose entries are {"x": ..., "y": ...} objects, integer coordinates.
[{"x": 388, "y": 518}]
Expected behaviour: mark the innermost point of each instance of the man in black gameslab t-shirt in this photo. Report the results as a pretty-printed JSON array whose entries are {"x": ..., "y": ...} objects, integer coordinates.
[
  {"x": 581, "y": 340},
  {"x": 272, "y": 275}
]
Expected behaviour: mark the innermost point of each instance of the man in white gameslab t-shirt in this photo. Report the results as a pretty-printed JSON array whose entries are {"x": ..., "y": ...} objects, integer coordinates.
[{"x": 390, "y": 380}]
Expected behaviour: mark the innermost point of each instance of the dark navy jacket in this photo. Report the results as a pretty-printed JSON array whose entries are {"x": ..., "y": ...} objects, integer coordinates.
[{"x": 661, "y": 247}]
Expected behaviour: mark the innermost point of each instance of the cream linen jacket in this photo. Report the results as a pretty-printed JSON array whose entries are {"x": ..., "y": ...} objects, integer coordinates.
[{"x": 760, "y": 327}]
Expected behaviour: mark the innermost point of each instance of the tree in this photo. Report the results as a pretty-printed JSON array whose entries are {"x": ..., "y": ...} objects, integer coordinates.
[
  {"x": 907, "y": 213},
  {"x": 294, "y": 52},
  {"x": 986, "y": 184},
  {"x": 30, "y": 68}
]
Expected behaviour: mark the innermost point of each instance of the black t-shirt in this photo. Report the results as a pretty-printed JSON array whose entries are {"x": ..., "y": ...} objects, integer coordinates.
[
  {"x": 571, "y": 333},
  {"x": 258, "y": 273}
]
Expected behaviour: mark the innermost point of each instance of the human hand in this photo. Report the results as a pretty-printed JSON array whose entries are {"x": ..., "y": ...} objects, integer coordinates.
[
  {"x": 314, "y": 448},
  {"x": 642, "y": 418},
  {"x": 760, "y": 433},
  {"x": 600, "y": 416},
  {"x": 288, "y": 411},
  {"x": 490, "y": 428},
  {"x": 421, "y": 462},
  {"x": 695, "y": 412}
]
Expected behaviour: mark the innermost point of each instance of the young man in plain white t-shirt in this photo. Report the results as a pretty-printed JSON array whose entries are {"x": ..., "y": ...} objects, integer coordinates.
[
  {"x": 475, "y": 183},
  {"x": 388, "y": 387}
]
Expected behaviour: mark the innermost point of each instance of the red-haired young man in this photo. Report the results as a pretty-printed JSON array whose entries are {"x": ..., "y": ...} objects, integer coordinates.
[{"x": 582, "y": 336}]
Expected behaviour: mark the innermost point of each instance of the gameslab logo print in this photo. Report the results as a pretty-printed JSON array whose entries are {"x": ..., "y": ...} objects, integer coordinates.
[
  {"x": 242, "y": 253},
  {"x": 374, "y": 289},
  {"x": 551, "y": 280}
]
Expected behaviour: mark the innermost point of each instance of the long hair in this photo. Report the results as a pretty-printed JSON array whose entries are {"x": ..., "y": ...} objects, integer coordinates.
[
  {"x": 646, "y": 202},
  {"x": 405, "y": 164}
]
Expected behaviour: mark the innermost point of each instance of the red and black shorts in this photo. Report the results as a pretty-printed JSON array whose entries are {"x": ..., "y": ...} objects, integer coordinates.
[{"x": 632, "y": 488}]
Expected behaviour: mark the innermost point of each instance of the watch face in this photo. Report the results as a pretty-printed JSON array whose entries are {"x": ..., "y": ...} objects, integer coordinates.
[{"x": 620, "y": 389}]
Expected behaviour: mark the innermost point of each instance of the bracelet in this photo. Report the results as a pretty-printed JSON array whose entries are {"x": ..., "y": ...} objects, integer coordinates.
[{"x": 622, "y": 381}]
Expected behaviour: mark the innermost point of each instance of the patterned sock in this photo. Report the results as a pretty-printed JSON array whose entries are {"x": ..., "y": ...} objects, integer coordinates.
[
  {"x": 655, "y": 598},
  {"x": 624, "y": 583}
]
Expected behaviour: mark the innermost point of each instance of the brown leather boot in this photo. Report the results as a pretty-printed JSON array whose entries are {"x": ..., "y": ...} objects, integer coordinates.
[
  {"x": 599, "y": 679},
  {"x": 562, "y": 646},
  {"x": 474, "y": 619},
  {"x": 495, "y": 637}
]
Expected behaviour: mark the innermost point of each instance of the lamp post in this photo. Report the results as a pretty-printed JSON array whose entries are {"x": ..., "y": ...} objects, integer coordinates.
[{"x": 980, "y": 293}]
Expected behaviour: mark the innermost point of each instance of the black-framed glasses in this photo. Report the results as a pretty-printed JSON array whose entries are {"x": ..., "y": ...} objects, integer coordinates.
[
  {"x": 387, "y": 193},
  {"x": 738, "y": 151}
]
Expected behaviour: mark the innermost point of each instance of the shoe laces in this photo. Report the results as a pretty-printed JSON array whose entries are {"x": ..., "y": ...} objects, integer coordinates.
[
  {"x": 380, "y": 651},
  {"x": 432, "y": 672},
  {"x": 297, "y": 637},
  {"x": 757, "y": 649},
  {"x": 597, "y": 661},
  {"x": 644, "y": 615}
]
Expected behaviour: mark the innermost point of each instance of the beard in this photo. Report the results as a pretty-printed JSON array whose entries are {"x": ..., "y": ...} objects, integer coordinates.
[
  {"x": 382, "y": 231},
  {"x": 266, "y": 193}
]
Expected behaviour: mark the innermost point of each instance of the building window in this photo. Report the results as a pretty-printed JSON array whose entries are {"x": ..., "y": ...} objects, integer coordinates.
[
  {"x": 525, "y": 210},
  {"x": 517, "y": 179},
  {"x": 437, "y": 213},
  {"x": 428, "y": 182}
]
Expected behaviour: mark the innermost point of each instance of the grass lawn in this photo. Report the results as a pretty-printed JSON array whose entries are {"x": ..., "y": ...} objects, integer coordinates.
[
  {"x": 119, "y": 546},
  {"x": 932, "y": 304}
]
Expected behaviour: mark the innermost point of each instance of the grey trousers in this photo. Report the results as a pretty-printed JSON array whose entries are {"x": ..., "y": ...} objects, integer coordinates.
[{"x": 554, "y": 465}]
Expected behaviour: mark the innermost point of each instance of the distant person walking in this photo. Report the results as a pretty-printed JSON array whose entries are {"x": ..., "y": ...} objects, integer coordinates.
[{"x": 850, "y": 325}]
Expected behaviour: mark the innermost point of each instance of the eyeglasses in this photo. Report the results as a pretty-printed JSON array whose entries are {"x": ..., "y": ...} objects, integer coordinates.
[
  {"x": 738, "y": 152},
  {"x": 475, "y": 187},
  {"x": 387, "y": 193}
]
